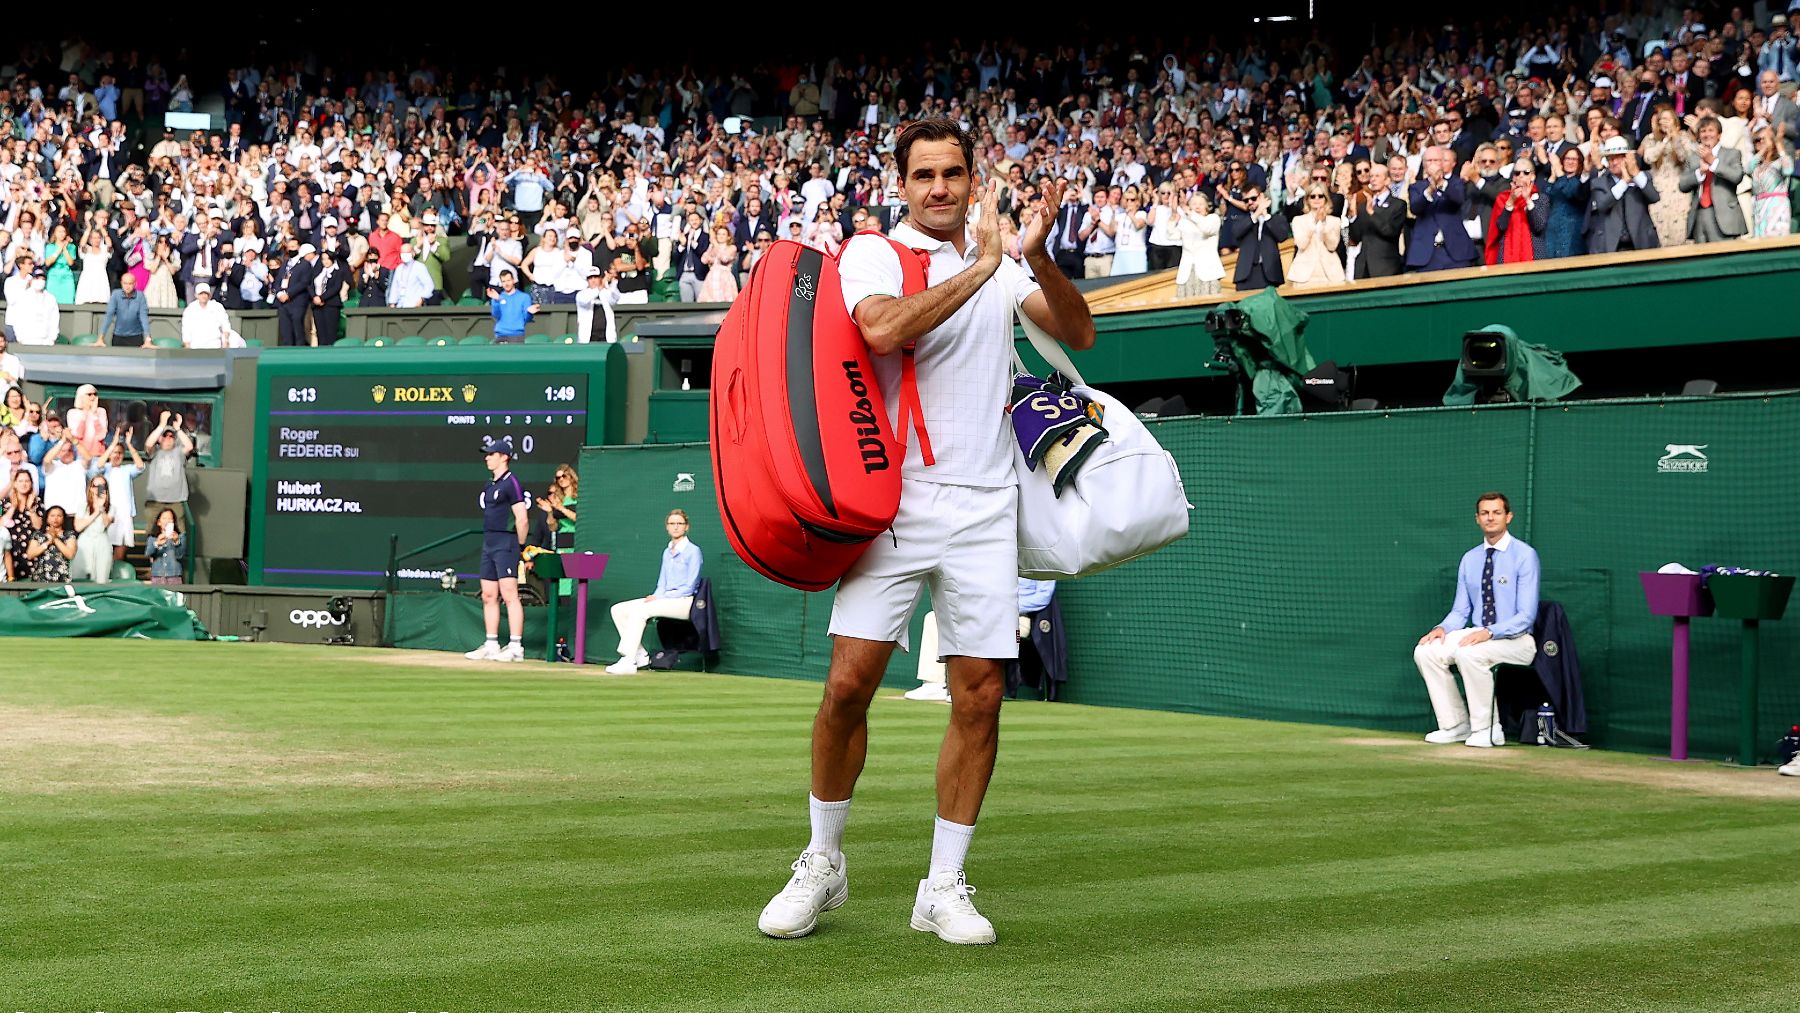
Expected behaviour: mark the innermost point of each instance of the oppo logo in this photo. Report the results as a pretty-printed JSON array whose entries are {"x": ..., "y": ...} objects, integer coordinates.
[{"x": 305, "y": 618}]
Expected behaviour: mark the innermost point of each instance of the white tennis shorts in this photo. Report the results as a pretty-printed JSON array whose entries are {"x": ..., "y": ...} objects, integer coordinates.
[{"x": 961, "y": 540}]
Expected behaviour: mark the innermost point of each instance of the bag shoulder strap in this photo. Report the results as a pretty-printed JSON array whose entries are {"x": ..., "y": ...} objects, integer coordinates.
[
  {"x": 915, "y": 267},
  {"x": 1046, "y": 346}
]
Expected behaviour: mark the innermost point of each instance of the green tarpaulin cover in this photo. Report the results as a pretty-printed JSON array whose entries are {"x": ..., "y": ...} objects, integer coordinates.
[
  {"x": 100, "y": 610},
  {"x": 1538, "y": 373},
  {"x": 1274, "y": 383}
]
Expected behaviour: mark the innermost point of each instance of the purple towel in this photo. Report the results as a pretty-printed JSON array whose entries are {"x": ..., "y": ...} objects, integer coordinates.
[{"x": 1055, "y": 426}]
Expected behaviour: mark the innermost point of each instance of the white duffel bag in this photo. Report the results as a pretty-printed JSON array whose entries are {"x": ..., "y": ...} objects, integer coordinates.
[{"x": 1126, "y": 499}]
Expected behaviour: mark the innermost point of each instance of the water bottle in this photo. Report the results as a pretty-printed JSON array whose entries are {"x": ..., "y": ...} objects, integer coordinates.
[
  {"x": 1546, "y": 725},
  {"x": 1789, "y": 745},
  {"x": 562, "y": 649}
]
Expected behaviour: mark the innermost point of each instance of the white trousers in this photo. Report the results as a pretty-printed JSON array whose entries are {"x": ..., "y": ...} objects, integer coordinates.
[
  {"x": 1476, "y": 662},
  {"x": 630, "y": 616}
]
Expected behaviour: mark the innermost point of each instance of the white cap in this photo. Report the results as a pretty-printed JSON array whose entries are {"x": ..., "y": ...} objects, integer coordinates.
[
  {"x": 1603, "y": 81},
  {"x": 594, "y": 272},
  {"x": 202, "y": 287},
  {"x": 430, "y": 218},
  {"x": 306, "y": 248},
  {"x": 330, "y": 222}
]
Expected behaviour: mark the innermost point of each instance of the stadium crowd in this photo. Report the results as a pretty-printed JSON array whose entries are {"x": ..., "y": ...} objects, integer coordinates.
[{"x": 1435, "y": 148}]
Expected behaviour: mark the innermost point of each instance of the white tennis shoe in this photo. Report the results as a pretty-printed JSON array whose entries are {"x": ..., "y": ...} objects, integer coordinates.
[
  {"x": 936, "y": 691},
  {"x": 1790, "y": 768},
  {"x": 817, "y": 887},
  {"x": 1448, "y": 736},
  {"x": 621, "y": 667},
  {"x": 1487, "y": 738},
  {"x": 944, "y": 909},
  {"x": 511, "y": 652},
  {"x": 488, "y": 651}
]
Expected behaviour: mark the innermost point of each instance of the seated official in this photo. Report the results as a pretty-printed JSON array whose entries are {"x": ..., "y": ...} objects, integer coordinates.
[
  {"x": 672, "y": 599},
  {"x": 1497, "y": 591}
]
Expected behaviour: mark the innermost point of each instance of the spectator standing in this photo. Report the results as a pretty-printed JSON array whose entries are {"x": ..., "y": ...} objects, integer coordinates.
[
  {"x": 543, "y": 267},
  {"x": 571, "y": 278},
  {"x": 1097, "y": 233},
  {"x": 1257, "y": 238},
  {"x": 96, "y": 254},
  {"x": 12, "y": 370},
  {"x": 166, "y": 546},
  {"x": 1131, "y": 236},
  {"x": 1666, "y": 150},
  {"x": 1770, "y": 170},
  {"x": 1520, "y": 216},
  {"x": 33, "y": 314},
  {"x": 165, "y": 478},
  {"x": 1619, "y": 199},
  {"x": 60, "y": 263},
  {"x": 689, "y": 261},
  {"x": 23, "y": 515},
  {"x": 511, "y": 309},
  {"x": 93, "y": 551},
  {"x": 51, "y": 547},
  {"x": 118, "y": 477},
  {"x": 1316, "y": 234},
  {"x": 1568, "y": 193},
  {"x": 411, "y": 284},
  {"x": 385, "y": 242},
  {"x": 204, "y": 324},
  {"x": 1376, "y": 220},
  {"x": 1711, "y": 172},
  {"x": 127, "y": 318},
  {"x": 85, "y": 423},
  {"x": 433, "y": 251},
  {"x": 601, "y": 294},
  {"x": 721, "y": 281},
  {"x": 160, "y": 294},
  {"x": 1438, "y": 241},
  {"x": 63, "y": 473},
  {"x": 372, "y": 283},
  {"x": 1165, "y": 228},
  {"x": 328, "y": 298}
]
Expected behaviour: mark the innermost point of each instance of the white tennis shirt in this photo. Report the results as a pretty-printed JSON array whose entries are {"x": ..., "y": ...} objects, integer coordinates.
[{"x": 964, "y": 365}]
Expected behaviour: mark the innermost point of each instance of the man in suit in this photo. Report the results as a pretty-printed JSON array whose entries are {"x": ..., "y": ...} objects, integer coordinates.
[
  {"x": 1437, "y": 241},
  {"x": 1376, "y": 220},
  {"x": 328, "y": 297},
  {"x": 1548, "y": 151},
  {"x": 293, "y": 294},
  {"x": 1774, "y": 107},
  {"x": 1638, "y": 112},
  {"x": 1714, "y": 170},
  {"x": 1619, "y": 199},
  {"x": 754, "y": 220},
  {"x": 1482, "y": 186},
  {"x": 1065, "y": 233},
  {"x": 1258, "y": 237},
  {"x": 199, "y": 256}
]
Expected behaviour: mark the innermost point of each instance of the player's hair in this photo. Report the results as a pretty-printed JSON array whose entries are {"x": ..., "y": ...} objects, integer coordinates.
[
  {"x": 678, "y": 512},
  {"x": 933, "y": 128},
  {"x": 1505, "y": 504}
]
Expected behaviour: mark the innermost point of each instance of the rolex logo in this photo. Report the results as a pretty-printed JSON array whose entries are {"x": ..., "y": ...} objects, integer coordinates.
[
  {"x": 469, "y": 393},
  {"x": 379, "y": 393},
  {"x": 803, "y": 287}
]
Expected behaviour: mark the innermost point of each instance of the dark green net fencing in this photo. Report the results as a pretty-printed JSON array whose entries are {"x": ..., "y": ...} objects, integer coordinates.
[{"x": 1324, "y": 545}]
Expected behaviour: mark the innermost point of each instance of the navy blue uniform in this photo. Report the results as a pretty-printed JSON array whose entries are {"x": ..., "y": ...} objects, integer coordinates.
[{"x": 500, "y": 538}]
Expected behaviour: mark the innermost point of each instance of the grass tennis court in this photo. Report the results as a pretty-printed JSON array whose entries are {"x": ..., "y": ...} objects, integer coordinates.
[{"x": 256, "y": 827}]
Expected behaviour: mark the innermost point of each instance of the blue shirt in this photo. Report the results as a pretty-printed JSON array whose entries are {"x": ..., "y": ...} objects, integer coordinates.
[
  {"x": 528, "y": 189},
  {"x": 680, "y": 576},
  {"x": 1515, "y": 588},
  {"x": 1034, "y": 595},
  {"x": 512, "y": 311},
  {"x": 128, "y": 315},
  {"x": 497, "y": 501}
]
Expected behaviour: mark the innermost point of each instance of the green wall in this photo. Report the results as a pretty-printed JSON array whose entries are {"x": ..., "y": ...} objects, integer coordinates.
[{"x": 1324, "y": 545}]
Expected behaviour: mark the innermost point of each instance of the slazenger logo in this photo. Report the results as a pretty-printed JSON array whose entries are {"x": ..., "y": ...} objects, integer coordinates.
[
  {"x": 803, "y": 287},
  {"x": 1683, "y": 457},
  {"x": 304, "y": 618}
]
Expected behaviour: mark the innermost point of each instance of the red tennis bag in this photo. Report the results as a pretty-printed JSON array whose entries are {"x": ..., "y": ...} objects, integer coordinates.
[{"x": 805, "y": 465}]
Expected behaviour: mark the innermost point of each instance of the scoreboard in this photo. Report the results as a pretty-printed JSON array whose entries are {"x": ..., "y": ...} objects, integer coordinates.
[{"x": 349, "y": 459}]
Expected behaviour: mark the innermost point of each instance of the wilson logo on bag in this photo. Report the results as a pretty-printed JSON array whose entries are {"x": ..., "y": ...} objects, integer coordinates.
[{"x": 805, "y": 464}]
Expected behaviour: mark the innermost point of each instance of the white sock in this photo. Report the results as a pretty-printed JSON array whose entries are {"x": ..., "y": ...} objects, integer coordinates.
[
  {"x": 514, "y": 642},
  {"x": 949, "y": 846},
  {"x": 493, "y": 640},
  {"x": 828, "y": 820}
]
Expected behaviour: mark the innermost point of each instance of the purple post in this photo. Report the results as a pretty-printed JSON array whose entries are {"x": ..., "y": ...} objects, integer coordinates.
[
  {"x": 1678, "y": 697},
  {"x": 583, "y": 567}
]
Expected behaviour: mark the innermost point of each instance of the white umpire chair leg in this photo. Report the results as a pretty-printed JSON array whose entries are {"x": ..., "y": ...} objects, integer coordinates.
[{"x": 932, "y": 684}]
